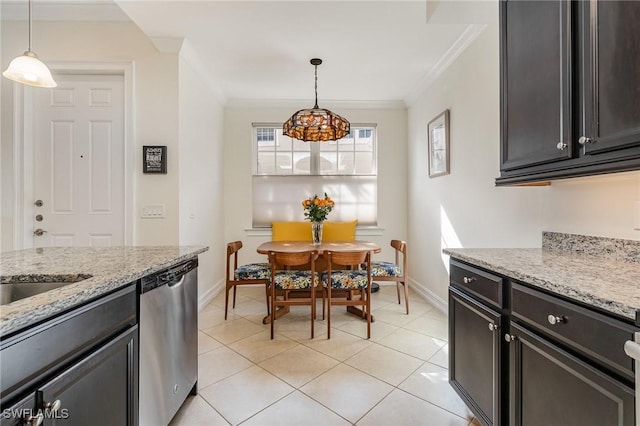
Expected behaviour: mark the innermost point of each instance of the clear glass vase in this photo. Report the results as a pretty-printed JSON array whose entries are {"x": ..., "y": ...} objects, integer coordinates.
[{"x": 316, "y": 233}]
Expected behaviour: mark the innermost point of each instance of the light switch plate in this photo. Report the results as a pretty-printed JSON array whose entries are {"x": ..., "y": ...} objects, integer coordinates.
[{"x": 152, "y": 211}]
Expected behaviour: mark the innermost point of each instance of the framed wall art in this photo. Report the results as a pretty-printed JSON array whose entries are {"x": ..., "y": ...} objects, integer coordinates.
[
  {"x": 438, "y": 145},
  {"x": 154, "y": 159}
]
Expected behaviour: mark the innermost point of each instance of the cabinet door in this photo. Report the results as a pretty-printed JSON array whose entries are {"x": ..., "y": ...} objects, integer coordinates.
[
  {"x": 100, "y": 389},
  {"x": 474, "y": 356},
  {"x": 535, "y": 55},
  {"x": 551, "y": 387},
  {"x": 21, "y": 413},
  {"x": 611, "y": 79}
]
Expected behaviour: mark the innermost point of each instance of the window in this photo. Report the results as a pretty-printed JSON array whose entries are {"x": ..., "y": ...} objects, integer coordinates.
[
  {"x": 287, "y": 170},
  {"x": 266, "y": 134}
]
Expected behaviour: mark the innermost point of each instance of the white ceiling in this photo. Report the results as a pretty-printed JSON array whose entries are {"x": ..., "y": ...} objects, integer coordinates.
[{"x": 372, "y": 51}]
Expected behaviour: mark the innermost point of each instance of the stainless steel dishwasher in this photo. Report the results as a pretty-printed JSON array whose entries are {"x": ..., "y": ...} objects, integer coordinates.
[{"x": 168, "y": 341}]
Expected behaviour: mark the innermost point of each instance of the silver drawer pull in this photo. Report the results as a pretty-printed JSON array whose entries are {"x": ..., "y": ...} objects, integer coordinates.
[
  {"x": 509, "y": 338},
  {"x": 34, "y": 420},
  {"x": 554, "y": 320},
  {"x": 492, "y": 326},
  {"x": 53, "y": 406},
  {"x": 468, "y": 280}
]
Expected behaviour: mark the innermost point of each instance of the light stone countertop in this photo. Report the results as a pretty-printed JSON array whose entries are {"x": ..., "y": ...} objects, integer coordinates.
[
  {"x": 610, "y": 284},
  {"x": 110, "y": 267}
]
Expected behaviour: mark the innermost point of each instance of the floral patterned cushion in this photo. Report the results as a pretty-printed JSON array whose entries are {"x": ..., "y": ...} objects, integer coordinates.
[
  {"x": 346, "y": 279},
  {"x": 293, "y": 279},
  {"x": 253, "y": 271},
  {"x": 385, "y": 269}
]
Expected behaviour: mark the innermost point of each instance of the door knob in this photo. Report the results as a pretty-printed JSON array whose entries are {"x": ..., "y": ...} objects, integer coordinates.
[
  {"x": 38, "y": 232},
  {"x": 561, "y": 146}
]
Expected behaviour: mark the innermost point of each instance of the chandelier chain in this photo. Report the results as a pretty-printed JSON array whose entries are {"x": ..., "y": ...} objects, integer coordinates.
[{"x": 316, "y": 86}]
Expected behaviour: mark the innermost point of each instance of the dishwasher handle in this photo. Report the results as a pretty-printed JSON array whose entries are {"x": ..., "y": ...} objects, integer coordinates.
[
  {"x": 632, "y": 349},
  {"x": 171, "y": 277}
]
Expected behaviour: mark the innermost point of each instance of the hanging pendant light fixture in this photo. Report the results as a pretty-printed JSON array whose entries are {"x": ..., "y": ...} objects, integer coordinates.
[
  {"x": 316, "y": 124},
  {"x": 28, "y": 69}
]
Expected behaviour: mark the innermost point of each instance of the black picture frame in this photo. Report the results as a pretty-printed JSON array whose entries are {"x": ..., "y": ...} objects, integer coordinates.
[{"x": 154, "y": 159}]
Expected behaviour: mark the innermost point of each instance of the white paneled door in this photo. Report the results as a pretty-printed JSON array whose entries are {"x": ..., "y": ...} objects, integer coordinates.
[{"x": 79, "y": 162}]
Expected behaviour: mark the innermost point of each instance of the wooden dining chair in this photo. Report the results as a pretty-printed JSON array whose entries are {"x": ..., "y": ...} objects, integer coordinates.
[
  {"x": 285, "y": 278},
  {"x": 250, "y": 273},
  {"x": 397, "y": 272},
  {"x": 344, "y": 277}
]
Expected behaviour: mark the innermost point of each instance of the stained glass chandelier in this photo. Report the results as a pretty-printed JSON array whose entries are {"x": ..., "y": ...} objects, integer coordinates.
[{"x": 316, "y": 124}]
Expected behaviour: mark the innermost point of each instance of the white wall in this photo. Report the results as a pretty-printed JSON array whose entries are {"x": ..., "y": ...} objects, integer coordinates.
[
  {"x": 465, "y": 209},
  {"x": 392, "y": 166},
  {"x": 156, "y": 109},
  {"x": 201, "y": 175}
]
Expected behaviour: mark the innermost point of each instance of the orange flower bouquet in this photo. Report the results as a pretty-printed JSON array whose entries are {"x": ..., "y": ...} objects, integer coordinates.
[{"x": 316, "y": 209}]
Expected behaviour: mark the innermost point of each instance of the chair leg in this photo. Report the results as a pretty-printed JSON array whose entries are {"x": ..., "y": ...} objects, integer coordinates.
[
  {"x": 226, "y": 301},
  {"x": 267, "y": 290},
  {"x": 406, "y": 295},
  {"x": 235, "y": 287},
  {"x": 324, "y": 296},
  {"x": 398, "y": 290},
  {"x": 329, "y": 311},
  {"x": 368, "y": 310},
  {"x": 313, "y": 308},
  {"x": 273, "y": 308}
]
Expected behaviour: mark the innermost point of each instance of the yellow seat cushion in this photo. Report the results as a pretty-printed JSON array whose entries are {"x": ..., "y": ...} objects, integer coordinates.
[
  {"x": 291, "y": 231},
  {"x": 339, "y": 231}
]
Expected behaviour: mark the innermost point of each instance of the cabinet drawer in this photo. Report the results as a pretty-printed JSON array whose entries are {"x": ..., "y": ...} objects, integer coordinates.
[
  {"x": 484, "y": 285},
  {"x": 597, "y": 336},
  {"x": 28, "y": 356}
]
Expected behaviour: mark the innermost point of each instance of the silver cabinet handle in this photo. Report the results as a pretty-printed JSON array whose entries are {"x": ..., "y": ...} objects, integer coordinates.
[
  {"x": 561, "y": 146},
  {"x": 468, "y": 280},
  {"x": 509, "y": 338},
  {"x": 34, "y": 420},
  {"x": 492, "y": 326},
  {"x": 583, "y": 140},
  {"x": 39, "y": 232},
  {"x": 554, "y": 319},
  {"x": 53, "y": 406}
]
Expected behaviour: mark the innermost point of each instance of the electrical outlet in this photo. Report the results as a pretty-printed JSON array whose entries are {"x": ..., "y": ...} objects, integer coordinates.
[{"x": 152, "y": 211}]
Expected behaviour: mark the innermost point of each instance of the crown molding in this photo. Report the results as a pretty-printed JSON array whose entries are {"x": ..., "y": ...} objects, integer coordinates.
[
  {"x": 466, "y": 38},
  {"x": 306, "y": 103}
]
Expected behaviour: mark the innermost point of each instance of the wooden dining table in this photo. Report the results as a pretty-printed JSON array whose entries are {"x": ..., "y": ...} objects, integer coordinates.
[{"x": 299, "y": 246}]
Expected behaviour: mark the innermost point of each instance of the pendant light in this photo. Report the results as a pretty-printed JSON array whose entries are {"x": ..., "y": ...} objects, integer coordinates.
[
  {"x": 28, "y": 69},
  {"x": 316, "y": 124}
]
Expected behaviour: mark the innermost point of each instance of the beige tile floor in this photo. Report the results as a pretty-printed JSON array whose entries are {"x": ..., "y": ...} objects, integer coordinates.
[{"x": 398, "y": 378}]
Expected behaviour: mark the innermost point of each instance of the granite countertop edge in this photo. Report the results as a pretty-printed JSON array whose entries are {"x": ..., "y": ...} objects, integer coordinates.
[
  {"x": 563, "y": 285},
  {"x": 21, "y": 314}
]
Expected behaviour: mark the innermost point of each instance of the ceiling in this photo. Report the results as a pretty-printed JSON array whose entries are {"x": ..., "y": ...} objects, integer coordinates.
[{"x": 372, "y": 51}]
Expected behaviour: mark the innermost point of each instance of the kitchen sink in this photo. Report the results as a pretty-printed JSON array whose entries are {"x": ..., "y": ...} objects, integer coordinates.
[{"x": 20, "y": 287}]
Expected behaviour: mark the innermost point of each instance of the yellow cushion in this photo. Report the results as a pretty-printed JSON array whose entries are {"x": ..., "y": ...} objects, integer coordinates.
[
  {"x": 291, "y": 231},
  {"x": 339, "y": 231}
]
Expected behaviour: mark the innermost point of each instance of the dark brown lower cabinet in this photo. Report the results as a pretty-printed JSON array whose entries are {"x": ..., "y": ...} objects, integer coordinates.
[
  {"x": 475, "y": 359},
  {"x": 112, "y": 370},
  {"x": 549, "y": 386},
  {"x": 79, "y": 368}
]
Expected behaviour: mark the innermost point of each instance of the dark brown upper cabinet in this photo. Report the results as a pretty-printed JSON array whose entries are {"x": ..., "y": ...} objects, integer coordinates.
[{"x": 570, "y": 89}]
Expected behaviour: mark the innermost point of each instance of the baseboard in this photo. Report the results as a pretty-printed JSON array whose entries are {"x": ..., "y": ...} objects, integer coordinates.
[
  {"x": 429, "y": 296},
  {"x": 208, "y": 295}
]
